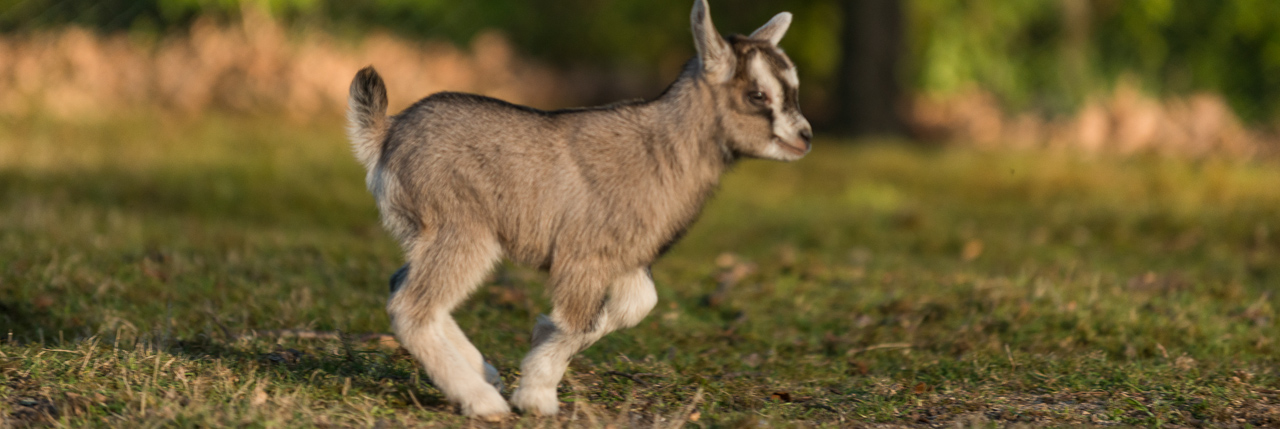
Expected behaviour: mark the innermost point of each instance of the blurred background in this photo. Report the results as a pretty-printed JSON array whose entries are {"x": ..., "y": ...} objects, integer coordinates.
[
  {"x": 1057, "y": 212},
  {"x": 1184, "y": 76}
]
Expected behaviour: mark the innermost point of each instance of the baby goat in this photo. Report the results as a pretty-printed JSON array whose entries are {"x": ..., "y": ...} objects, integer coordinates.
[{"x": 593, "y": 195}]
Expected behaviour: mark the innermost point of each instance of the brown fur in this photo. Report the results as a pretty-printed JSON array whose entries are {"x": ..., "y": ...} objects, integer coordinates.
[{"x": 593, "y": 195}]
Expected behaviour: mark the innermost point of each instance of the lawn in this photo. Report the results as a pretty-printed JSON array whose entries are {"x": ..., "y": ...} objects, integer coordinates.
[{"x": 149, "y": 268}]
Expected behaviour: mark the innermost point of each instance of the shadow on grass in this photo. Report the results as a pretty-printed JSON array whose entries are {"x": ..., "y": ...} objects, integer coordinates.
[
  {"x": 340, "y": 367},
  {"x": 342, "y": 364},
  {"x": 28, "y": 322},
  {"x": 242, "y": 195}
]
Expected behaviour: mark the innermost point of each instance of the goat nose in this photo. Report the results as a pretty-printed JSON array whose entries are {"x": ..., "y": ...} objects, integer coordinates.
[{"x": 806, "y": 134}]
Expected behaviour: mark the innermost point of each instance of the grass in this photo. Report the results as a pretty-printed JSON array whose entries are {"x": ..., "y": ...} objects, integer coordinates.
[{"x": 866, "y": 284}]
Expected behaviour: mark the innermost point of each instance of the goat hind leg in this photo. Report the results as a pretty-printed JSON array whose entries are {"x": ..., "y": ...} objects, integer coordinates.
[
  {"x": 468, "y": 350},
  {"x": 475, "y": 360},
  {"x": 444, "y": 273}
]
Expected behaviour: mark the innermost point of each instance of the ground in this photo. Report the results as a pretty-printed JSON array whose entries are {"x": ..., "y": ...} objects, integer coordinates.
[{"x": 153, "y": 269}]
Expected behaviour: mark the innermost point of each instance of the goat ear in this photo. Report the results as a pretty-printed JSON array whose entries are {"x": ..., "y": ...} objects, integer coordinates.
[
  {"x": 713, "y": 51},
  {"x": 773, "y": 30}
]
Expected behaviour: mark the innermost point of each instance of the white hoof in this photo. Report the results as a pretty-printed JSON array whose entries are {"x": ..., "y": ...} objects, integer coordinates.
[
  {"x": 491, "y": 376},
  {"x": 485, "y": 404},
  {"x": 542, "y": 402}
]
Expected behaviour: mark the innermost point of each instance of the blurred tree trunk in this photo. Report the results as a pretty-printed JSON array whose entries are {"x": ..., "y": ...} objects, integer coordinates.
[{"x": 869, "y": 82}]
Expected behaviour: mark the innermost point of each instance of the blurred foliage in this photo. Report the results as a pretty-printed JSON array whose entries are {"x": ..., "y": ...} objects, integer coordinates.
[
  {"x": 626, "y": 33},
  {"x": 1051, "y": 54},
  {"x": 1044, "y": 55}
]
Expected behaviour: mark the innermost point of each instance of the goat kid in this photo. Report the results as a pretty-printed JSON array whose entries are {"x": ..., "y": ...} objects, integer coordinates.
[{"x": 593, "y": 195}]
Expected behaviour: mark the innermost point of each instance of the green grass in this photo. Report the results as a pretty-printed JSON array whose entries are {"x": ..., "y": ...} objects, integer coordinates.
[{"x": 865, "y": 284}]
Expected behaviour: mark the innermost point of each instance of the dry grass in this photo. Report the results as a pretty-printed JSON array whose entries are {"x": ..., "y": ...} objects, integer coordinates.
[
  {"x": 1123, "y": 122},
  {"x": 258, "y": 66},
  {"x": 255, "y": 66},
  {"x": 866, "y": 286}
]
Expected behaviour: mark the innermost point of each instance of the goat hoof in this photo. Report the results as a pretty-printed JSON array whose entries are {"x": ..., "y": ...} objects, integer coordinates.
[
  {"x": 486, "y": 405},
  {"x": 540, "y": 402}
]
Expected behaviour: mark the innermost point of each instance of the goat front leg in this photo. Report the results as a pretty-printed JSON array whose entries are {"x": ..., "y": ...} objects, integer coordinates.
[{"x": 630, "y": 298}]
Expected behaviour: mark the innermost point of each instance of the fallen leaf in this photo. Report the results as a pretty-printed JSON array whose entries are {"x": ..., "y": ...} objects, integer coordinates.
[
  {"x": 287, "y": 356},
  {"x": 43, "y": 301},
  {"x": 726, "y": 260},
  {"x": 259, "y": 396},
  {"x": 787, "y": 256},
  {"x": 972, "y": 250},
  {"x": 859, "y": 367}
]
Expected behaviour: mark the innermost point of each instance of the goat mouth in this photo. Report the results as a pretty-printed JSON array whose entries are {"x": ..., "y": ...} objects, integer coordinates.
[{"x": 798, "y": 150}]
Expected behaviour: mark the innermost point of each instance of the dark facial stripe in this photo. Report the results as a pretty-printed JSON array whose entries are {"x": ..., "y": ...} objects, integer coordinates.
[
  {"x": 778, "y": 64},
  {"x": 790, "y": 94},
  {"x": 776, "y": 60}
]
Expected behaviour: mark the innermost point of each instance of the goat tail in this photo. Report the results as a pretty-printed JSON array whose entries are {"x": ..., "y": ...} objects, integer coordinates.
[{"x": 367, "y": 116}]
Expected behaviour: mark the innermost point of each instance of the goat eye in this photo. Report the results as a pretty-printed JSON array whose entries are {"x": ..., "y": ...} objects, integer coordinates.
[{"x": 756, "y": 96}]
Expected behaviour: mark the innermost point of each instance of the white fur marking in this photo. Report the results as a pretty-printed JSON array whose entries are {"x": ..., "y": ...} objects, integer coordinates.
[
  {"x": 784, "y": 126},
  {"x": 792, "y": 78},
  {"x": 767, "y": 82},
  {"x": 776, "y": 152}
]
